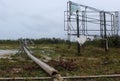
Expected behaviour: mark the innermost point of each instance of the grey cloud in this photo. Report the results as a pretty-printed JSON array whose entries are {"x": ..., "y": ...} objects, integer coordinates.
[{"x": 39, "y": 18}]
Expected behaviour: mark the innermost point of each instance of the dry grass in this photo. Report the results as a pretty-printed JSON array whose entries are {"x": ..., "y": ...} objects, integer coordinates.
[{"x": 92, "y": 61}]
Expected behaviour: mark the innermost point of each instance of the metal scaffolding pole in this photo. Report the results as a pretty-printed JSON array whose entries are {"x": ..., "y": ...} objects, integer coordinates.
[
  {"x": 105, "y": 33},
  {"x": 101, "y": 24},
  {"x": 78, "y": 33}
]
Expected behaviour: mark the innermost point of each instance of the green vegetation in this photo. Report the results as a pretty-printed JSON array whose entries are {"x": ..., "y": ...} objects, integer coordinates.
[
  {"x": 93, "y": 60},
  {"x": 19, "y": 66}
]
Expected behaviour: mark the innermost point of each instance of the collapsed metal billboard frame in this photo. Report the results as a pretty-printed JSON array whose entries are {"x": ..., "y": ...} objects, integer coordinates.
[{"x": 104, "y": 23}]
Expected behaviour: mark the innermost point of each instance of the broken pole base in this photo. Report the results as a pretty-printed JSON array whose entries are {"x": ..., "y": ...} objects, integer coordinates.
[{"x": 57, "y": 77}]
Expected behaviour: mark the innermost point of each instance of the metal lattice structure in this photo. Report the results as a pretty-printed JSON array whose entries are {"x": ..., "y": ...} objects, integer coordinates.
[{"x": 92, "y": 21}]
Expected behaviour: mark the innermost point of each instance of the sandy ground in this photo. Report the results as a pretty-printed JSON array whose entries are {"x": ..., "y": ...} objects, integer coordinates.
[{"x": 7, "y": 53}]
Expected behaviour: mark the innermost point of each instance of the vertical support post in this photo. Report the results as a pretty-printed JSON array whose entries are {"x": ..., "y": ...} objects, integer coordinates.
[
  {"x": 105, "y": 34},
  {"x": 112, "y": 25},
  {"x": 116, "y": 23},
  {"x": 78, "y": 33},
  {"x": 116, "y": 28},
  {"x": 102, "y": 27},
  {"x": 83, "y": 22},
  {"x": 68, "y": 23},
  {"x": 101, "y": 24}
]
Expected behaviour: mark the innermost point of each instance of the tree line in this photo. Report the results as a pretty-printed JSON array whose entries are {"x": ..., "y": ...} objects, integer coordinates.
[{"x": 36, "y": 41}]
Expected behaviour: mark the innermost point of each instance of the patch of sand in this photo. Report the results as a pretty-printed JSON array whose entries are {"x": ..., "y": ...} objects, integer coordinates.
[{"x": 7, "y": 53}]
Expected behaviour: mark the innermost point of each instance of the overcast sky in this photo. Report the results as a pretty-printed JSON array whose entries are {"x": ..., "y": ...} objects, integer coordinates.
[{"x": 41, "y": 18}]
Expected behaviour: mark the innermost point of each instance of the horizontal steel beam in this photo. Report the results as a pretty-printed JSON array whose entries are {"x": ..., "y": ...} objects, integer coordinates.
[
  {"x": 88, "y": 7},
  {"x": 84, "y": 6}
]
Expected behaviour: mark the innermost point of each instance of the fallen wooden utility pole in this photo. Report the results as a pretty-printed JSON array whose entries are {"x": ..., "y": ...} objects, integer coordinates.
[
  {"x": 50, "y": 70},
  {"x": 26, "y": 78},
  {"x": 65, "y": 77},
  {"x": 92, "y": 76}
]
